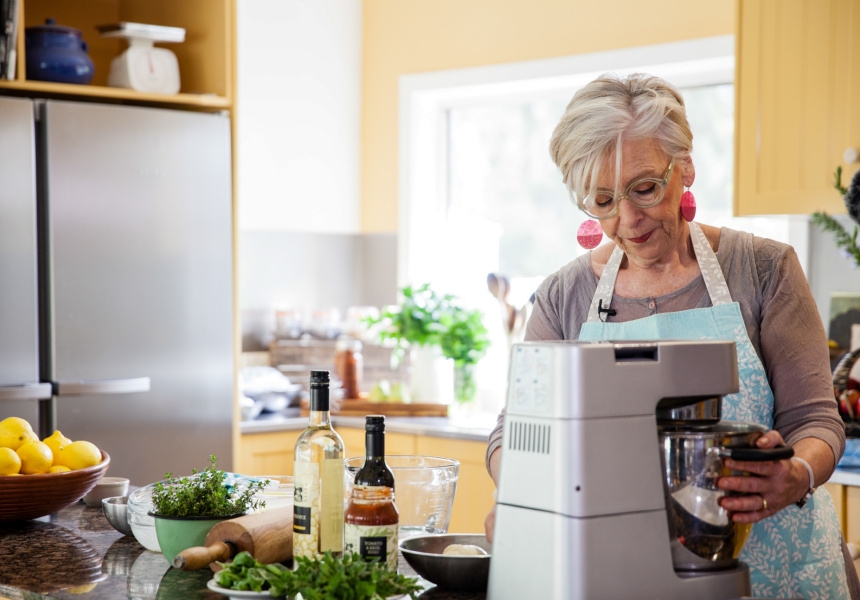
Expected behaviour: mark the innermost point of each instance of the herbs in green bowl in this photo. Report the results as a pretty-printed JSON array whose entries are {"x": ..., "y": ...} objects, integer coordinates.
[
  {"x": 203, "y": 494},
  {"x": 326, "y": 578}
]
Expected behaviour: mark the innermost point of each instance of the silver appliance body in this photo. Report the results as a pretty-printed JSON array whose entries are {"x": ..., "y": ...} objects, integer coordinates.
[
  {"x": 119, "y": 329},
  {"x": 581, "y": 510}
]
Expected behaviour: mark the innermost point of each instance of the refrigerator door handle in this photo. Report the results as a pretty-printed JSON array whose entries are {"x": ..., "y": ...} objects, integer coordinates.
[
  {"x": 28, "y": 391},
  {"x": 105, "y": 386}
]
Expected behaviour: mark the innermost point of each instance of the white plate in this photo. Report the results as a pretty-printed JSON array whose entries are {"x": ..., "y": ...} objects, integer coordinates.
[{"x": 236, "y": 594}]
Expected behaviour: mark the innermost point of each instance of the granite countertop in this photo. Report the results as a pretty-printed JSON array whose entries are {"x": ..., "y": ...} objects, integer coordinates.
[
  {"x": 477, "y": 428},
  {"x": 75, "y": 553}
]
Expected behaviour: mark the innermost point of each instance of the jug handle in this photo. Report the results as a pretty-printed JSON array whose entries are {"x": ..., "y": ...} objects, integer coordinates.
[{"x": 758, "y": 454}]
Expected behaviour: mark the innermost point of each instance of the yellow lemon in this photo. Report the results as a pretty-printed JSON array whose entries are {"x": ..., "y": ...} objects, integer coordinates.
[
  {"x": 82, "y": 589},
  {"x": 58, "y": 469},
  {"x": 56, "y": 442},
  {"x": 10, "y": 462},
  {"x": 80, "y": 455},
  {"x": 15, "y": 431},
  {"x": 35, "y": 457}
]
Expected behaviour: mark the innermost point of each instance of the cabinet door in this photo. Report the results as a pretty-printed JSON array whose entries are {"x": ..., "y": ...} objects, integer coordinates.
[
  {"x": 395, "y": 443},
  {"x": 269, "y": 453},
  {"x": 838, "y": 493},
  {"x": 797, "y": 73}
]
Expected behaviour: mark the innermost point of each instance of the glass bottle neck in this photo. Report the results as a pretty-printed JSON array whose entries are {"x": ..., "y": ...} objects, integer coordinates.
[
  {"x": 319, "y": 417},
  {"x": 319, "y": 405},
  {"x": 375, "y": 445}
]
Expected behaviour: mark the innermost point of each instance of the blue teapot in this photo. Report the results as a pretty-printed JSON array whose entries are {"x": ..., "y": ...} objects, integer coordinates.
[{"x": 57, "y": 53}]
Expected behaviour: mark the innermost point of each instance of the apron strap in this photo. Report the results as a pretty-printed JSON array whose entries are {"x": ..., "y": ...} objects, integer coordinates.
[
  {"x": 712, "y": 274},
  {"x": 710, "y": 267}
]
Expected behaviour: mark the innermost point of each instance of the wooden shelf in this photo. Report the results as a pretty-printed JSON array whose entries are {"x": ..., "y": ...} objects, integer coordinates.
[
  {"x": 97, "y": 92},
  {"x": 205, "y": 57}
]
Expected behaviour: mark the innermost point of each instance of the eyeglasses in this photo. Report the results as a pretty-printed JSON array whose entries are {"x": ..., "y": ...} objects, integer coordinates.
[{"x": 642, "y": 193}]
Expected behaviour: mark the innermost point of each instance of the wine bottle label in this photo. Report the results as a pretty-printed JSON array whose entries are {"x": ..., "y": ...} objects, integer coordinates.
[
  {"x": 372, "y": 541},
  {"x": 306, "y": 517},
  {"x": 331, "y": 505}
]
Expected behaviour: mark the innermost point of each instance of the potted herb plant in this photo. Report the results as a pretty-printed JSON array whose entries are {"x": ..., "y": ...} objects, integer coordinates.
[
  {"x": 428, "y": 321},
  {"x": 186, "y": 508}
]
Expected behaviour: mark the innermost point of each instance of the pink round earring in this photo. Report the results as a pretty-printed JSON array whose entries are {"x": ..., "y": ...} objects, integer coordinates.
[
  {"x": 688, "y": 206},
  {"x": 589, "y": 234}
]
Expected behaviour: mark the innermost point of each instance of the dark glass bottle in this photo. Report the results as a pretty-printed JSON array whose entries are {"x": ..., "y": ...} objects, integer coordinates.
[{"x": 371, "y": 519}]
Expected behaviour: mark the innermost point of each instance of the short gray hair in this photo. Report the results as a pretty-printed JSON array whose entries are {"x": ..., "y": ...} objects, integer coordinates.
[{"x": 608, "y": 111}]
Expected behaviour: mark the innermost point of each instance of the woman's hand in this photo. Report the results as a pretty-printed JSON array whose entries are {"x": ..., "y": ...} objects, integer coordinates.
[
  {"x": 490, "y": 524},
  {"x": 772, "y": 486}
]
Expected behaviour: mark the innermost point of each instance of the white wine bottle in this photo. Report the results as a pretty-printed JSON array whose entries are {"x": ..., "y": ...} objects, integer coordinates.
[{"x": 318, "y": 479}]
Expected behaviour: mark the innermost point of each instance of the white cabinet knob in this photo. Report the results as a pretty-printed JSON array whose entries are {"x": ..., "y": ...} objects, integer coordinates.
[{"x": 850, "y": 156}]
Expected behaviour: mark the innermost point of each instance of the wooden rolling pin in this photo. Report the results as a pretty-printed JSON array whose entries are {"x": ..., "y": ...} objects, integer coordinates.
[{"x": 266, "y": 535}]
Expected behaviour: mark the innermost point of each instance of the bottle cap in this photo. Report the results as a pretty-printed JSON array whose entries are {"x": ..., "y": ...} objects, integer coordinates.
[
  {"x": 374, "y": 423},
  {"x": 319, "y": 377}
]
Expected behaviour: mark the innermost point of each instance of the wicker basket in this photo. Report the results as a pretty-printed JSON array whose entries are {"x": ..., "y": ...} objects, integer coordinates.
[{"x": 25, "y": 497}]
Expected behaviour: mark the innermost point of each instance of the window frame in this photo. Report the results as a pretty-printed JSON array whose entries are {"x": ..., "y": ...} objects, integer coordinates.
[{"x": 425, "y": 98}]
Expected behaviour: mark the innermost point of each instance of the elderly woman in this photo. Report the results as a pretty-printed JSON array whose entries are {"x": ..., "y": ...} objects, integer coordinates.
[{"x": 623, "y": 147}]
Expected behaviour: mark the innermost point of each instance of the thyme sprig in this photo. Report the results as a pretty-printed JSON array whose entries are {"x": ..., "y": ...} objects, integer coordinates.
[{"x": 204, "y": 494}]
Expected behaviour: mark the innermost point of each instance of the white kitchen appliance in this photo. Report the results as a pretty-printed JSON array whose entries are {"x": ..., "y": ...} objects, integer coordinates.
[
  {"x": 142, "y": 66},
  {"x": 581, "y": 509}
]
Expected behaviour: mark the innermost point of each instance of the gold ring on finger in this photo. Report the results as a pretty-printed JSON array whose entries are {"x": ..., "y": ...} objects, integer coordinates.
[{"x": 763, "y": 504}]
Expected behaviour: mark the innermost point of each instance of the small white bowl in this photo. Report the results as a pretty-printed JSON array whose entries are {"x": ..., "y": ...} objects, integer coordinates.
[{"x": 107, "y": 487}]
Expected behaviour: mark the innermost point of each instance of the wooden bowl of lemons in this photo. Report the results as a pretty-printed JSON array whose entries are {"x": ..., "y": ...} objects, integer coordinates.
[{"x": 40, "y": 477}]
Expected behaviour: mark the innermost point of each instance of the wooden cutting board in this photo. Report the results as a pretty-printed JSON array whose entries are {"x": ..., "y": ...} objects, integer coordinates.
[{"x": 361, "y": 407}]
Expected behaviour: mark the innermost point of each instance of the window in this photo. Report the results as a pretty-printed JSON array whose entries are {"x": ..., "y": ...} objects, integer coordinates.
[{"x": 480, "y": 193}]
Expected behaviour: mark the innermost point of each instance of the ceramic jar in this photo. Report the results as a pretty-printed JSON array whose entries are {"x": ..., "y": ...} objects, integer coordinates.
[{"x": 56, "y": 53}]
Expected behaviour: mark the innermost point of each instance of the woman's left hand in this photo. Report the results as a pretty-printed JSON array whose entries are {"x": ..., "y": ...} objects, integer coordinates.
[{"x": 774, "y": 485}]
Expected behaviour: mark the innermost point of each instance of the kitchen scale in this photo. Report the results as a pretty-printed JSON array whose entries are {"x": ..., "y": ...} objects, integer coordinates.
[
  {"x": 143, "y": 67},
  {"x": 581, "y": 508}
]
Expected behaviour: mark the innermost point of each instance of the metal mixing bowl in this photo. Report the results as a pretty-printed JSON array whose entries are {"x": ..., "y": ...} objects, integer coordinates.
[
  {"x": 460, "y": 573},
  {"x": 116, "y": 511}
]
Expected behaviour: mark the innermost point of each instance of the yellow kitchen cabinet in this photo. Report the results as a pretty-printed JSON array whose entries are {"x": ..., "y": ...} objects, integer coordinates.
[
  {"x": 395, "y": 443},
  {"x": 269, "y": 453},
  {"x": 851, "y": 511},
  {"x": 475, "y": 489},
  {"x": 272, "y": 453},
  {"x": 838, "y": 492},
  {"x": 797, "y": 89},
  {"x": 205, "y": 58}
]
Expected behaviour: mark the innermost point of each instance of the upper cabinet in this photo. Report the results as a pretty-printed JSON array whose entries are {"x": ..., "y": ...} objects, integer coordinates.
[
  {"x": 205, "y": 57},
  {"x": 798, "y": 103}
]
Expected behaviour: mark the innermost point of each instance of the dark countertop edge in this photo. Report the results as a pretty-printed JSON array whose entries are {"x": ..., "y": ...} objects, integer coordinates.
[{"x": 443, "y": 427}]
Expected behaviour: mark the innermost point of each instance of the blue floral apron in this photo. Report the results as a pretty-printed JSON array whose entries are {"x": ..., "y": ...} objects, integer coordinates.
[{"x": 796, "y": 552}]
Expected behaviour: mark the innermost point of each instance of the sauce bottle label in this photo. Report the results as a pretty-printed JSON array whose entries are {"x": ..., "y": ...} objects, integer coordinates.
[
  {"x": 371, "y": 541},
  {"x": 306, "y": 523}
]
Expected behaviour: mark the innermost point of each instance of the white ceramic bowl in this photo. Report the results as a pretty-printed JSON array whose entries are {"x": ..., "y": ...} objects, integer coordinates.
[{"x": 107, "y": 487}]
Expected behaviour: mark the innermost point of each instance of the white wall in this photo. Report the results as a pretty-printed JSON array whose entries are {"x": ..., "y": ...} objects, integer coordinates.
[{"x": 298, "y": 115}]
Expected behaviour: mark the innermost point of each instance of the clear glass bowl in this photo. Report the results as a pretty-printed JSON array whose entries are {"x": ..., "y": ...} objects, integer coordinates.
[
  {"x": 424, "y": 488},
  {"x": 142, "y": 525}
]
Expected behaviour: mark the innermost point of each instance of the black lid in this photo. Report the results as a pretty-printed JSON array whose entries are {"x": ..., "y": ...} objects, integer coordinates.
[
  {"x": 374, "y": 423},
  {"x": 319, "y": 377}
]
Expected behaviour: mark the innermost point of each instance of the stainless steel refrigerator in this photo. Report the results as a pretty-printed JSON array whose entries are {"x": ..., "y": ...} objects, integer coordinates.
[{"x": 116, "y": 280}]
